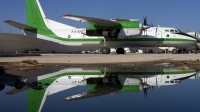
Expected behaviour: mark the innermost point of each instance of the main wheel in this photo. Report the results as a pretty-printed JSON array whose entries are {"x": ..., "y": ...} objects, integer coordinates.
[
  {"x": 105, "y": 50},
  {"x": 196, "y": 51},
  {"x": 120, "y": 51},
  {"x": 2, "y": 71},
  {"x": 174, "y": 51},
  {"x": 2, "y": 87},
  {"x": 18, "y": 84}
]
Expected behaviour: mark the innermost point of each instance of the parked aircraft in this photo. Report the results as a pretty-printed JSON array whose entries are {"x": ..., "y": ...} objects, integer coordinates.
[
  {"x": 195, "y": 48},
  {"x": 116, "y": 33},
  {"x": 102, "y": 81}
]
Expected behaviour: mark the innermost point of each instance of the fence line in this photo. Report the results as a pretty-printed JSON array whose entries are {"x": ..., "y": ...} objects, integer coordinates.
[{"x": 12, "y": 31}]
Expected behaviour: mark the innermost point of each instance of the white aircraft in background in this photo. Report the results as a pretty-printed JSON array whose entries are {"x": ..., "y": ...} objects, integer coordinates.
[
  {"x": 195, "y": 47},
  {"x": 116, "y": 33}
]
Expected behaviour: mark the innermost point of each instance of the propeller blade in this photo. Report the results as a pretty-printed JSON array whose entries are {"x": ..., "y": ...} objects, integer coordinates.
[
  {"x": 145, "y": 25},
  {"x": 152, "y": 24},
  {"x": 145, "y": 92},
  {"x": 145, "y": 20}
]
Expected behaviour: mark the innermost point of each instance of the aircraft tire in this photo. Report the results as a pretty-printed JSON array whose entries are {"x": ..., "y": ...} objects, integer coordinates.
[
  {"x": 174, "y": 51},
  {"x": 2, "y": 71},
  {"x": 105, "y": 50},
  {"x": 2, "y": 87},
  {"x": 18, "y": 85},
  {"x": 196, "y": 52},
  {"x": 120, "y": 51}
]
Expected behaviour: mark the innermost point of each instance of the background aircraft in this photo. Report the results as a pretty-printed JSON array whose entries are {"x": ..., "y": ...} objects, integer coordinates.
[{"x": 116, "y": 33}]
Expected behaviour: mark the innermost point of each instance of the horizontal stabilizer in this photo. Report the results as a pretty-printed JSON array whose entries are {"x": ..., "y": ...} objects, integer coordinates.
[
  {"x": 14, "y": 91},
  {"x": 91, "y": 20},
  {"x": 19, "y": 25}
]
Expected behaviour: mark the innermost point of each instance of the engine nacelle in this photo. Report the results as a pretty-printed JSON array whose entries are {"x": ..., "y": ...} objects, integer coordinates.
[
  {"x": 129, "y": 32},
  {"x": 114, "y": 33}
]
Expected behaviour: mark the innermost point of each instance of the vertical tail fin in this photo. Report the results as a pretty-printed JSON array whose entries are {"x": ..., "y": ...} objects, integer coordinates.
[
  {"x": 35, "y": 14},
  {"x": 36, "y": 99},
  {"x": 36, "y": 17}
]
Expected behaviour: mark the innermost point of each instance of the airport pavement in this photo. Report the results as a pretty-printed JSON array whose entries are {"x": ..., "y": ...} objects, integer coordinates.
[{"x": 100, "y": 58}]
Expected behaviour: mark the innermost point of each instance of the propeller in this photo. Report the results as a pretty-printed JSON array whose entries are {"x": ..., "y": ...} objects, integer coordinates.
[
  {"x": 152, "y": 24},
  {"x": 145, "y": 86},
  {"x": 145, "y": 26},
  {"x": 145, "y": 92}
]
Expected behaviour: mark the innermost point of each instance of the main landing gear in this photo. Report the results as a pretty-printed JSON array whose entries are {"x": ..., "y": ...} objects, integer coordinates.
[
  {"x": 120, "y": 51},
  {"x": 106, "y": 50}
]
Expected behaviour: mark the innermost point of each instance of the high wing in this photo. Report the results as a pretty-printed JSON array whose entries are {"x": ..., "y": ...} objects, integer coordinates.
[
  {"x": 91, "y": 20},
  {"x": 19, "y": 25},
  {"x": 114, "y": 28},
  {"x": 93, "y": 93}
]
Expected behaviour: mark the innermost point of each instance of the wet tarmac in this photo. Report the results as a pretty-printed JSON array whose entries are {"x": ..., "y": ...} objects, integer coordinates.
[{"x": 143, "y": 86}]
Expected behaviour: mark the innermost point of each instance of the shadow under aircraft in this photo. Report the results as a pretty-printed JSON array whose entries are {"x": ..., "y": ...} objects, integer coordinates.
[{"x": 102, "y": 81}]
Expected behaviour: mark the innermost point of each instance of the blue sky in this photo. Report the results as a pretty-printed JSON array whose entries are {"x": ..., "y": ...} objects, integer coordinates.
[{"x": 182, "y": 14}]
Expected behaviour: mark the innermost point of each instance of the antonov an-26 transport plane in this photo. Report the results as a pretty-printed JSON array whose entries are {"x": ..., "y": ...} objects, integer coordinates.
[{"x": 116, "y": 33}]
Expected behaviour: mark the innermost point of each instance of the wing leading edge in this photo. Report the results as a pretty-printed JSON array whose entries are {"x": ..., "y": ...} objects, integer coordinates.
[{"x": 91, "y": 20}]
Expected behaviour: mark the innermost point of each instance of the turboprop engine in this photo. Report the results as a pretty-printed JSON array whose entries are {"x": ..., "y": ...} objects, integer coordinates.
[
  {"x": 114, "y": 33},
  {"x": 126, "y": 28}
]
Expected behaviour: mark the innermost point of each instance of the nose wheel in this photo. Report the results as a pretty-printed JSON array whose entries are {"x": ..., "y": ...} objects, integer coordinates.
[{"x": 105, "y": 50}]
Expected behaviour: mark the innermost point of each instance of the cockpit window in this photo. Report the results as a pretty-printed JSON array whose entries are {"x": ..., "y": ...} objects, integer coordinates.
[
  {"x": 172, "y": 30},
  {"x": 179, "y": 30},
  {"x": 176, "y": 81},
  {"x": 176, "y": 31}
]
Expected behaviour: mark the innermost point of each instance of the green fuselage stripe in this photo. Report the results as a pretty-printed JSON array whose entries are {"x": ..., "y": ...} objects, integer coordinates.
[{"x": 49, "y": 33}]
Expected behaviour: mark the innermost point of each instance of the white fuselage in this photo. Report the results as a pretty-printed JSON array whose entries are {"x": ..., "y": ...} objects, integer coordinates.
[{"x": 152, "y": 37}]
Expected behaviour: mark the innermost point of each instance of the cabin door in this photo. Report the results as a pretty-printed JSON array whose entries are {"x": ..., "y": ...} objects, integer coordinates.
[{"x": 158, "y": 36}]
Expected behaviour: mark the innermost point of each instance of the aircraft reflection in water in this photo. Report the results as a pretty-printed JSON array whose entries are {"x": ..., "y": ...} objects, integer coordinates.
[{"x": 101, "y": 81}]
